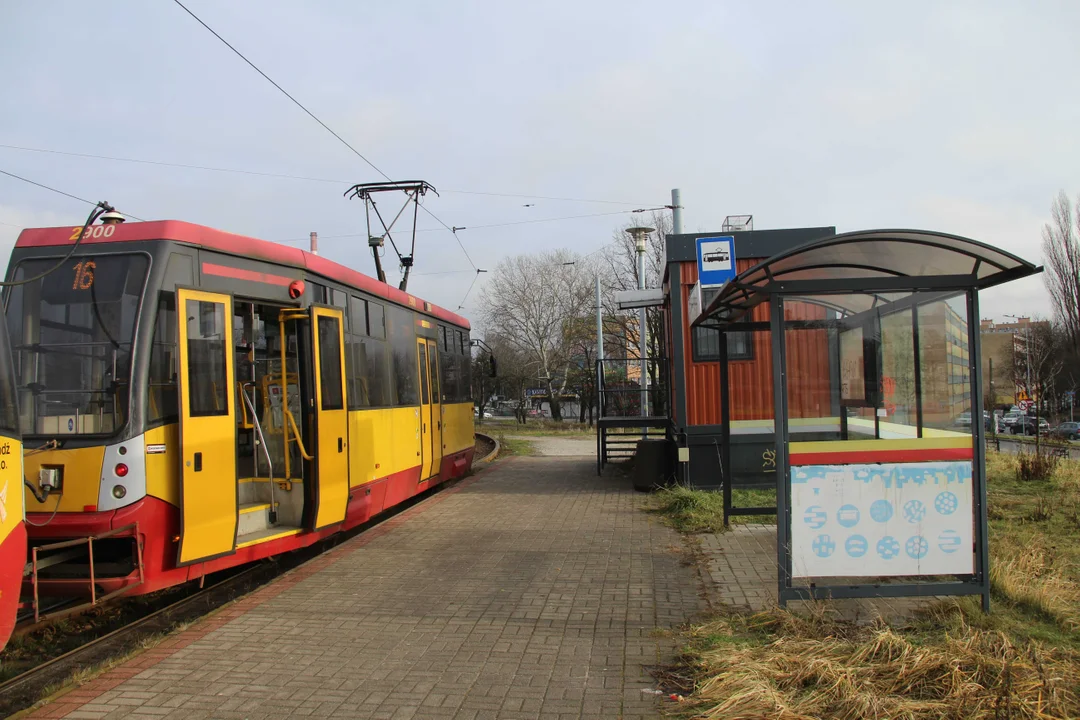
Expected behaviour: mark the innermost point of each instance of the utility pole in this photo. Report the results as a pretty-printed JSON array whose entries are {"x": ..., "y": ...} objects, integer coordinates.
[
  {"x": 641, "y": 236},
  {"x": 676, "y": 211},
  {"x": 599, "y": 346}
]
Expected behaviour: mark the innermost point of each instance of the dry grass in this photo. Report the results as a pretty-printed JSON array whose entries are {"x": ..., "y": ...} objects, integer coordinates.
[
  {"x": 950, "y": 661},
  {"x": 818, "y": 669},
  {"x": 1033, "y": 467}
]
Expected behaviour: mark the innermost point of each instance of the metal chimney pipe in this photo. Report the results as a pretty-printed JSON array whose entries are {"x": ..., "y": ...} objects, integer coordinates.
[{"x": 314, "y": 243}]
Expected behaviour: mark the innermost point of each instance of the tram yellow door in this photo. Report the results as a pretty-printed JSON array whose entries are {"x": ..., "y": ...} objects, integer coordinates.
[
  {"x": 425, "y": 410},
  {"x": 331, "y": 418},
  {"x": 436, "y": 409},
  {"x": 209, "y": 493}
]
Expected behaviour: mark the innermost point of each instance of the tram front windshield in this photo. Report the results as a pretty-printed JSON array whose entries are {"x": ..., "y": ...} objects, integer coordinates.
[{"x": 71, "y": 335}]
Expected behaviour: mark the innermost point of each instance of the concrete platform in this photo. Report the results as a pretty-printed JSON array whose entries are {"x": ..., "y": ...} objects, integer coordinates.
[{"x": 533, "y": 590}]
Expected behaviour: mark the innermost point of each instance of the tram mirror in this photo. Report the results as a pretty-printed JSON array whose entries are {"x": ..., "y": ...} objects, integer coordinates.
[{"x": 494, "y": 368}]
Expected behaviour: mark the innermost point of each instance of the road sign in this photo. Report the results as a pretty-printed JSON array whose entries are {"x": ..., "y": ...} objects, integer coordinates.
[{"x": 715, "y": 260}]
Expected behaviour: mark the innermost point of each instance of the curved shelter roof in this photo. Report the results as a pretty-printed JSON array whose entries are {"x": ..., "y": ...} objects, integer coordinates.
[{"x": 867, "y": 269}]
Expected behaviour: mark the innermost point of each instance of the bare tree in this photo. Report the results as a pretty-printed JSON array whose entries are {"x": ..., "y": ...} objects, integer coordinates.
[
  {"x": 1037, "y": 363},
  {"x": 619, "y": 271},
  {"x": 531, "y": 302},
  {"x": 1061, "y": 252}
]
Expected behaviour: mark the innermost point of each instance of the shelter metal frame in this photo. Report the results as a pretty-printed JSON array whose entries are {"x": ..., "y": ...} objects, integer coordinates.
[{"x": 764, "y": 283}]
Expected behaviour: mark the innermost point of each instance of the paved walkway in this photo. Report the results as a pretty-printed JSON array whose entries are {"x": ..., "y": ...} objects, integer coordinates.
[{"x": 531, "y": 591}]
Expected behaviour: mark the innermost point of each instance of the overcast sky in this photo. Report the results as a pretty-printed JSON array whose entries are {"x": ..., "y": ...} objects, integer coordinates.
[{"x": 950, "y": 116}]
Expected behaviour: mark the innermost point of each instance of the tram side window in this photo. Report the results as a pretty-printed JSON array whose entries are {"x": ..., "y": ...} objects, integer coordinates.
[
  {"x": 206, "y": 367},
  {"x": 377, "y": 372},
  {"x": 376, "y": 323},
  {"x": 403, "y": 356},
  {"x": 358, "y": 324},
  {"x": 449, "y": 369},
  {"x": 163, "y": 396},
  {"x": 340, "y": 299},
  {"x": 330, "y": 363}
]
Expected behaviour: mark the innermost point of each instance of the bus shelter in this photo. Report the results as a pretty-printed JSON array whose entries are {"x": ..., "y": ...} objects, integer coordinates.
[{"x": 879, "y": 450}]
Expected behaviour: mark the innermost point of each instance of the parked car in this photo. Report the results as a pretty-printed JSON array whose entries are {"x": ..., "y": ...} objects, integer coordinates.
[
  {"x": 1026, "y": 425},
  {"x": 1067, "y": 431},
  {"x": 963, "y": 420},
  {"x": 1010, "y": 418}
]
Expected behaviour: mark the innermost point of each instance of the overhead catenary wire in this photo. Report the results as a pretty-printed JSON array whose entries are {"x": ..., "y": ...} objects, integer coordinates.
[
  {"x": 287, "y": 176},
  {"x": 321, "y": 123},
  {"x": 461, "y": 305},
  {"x": 58, "y": 192},
  {"x": 493, "y": 225}
]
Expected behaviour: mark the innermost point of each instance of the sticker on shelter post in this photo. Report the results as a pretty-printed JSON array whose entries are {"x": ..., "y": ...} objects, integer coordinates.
[{"x": 884, "y": 519}]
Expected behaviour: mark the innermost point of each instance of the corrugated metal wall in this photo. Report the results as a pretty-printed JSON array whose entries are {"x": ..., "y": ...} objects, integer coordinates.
[{"x": 751, "y": 380}]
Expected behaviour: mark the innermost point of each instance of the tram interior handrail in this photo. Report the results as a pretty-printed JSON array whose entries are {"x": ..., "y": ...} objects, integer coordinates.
[
  {"x": 296, "y": 432},
  {"x": 262, "y": 443}
]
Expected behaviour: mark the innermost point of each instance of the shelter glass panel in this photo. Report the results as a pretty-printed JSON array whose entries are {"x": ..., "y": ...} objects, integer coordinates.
[{"x": 888, "y": 481}]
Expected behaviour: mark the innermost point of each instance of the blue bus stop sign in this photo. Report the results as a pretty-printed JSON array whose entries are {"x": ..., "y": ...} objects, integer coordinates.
[{"x": 715, "y": 260}]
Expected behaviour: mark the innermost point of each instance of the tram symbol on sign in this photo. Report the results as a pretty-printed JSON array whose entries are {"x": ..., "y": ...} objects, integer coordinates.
[{"x": 848, "y": 516}]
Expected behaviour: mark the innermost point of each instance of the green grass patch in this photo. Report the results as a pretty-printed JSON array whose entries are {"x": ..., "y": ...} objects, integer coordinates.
[
  {"x": 689, "y": 511},
  {"x": 515, "y": 446},
  {"x": 702, "y": 511},
  {"x": 547, "y": 428}
]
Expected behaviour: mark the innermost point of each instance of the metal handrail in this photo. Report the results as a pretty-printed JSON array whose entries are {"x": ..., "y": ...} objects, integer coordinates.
[
  {"x": 296, "y": 433},
  {"x": 262, "y": 443}
]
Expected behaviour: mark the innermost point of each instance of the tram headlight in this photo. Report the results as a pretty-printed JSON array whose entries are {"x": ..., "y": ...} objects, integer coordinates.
[{"x": 119, "y": 491}]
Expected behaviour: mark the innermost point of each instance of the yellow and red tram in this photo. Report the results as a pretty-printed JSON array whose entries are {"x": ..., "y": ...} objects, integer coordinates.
[
  {"x": 211, "y": 399},
  {"x": 12, "y": 529}
]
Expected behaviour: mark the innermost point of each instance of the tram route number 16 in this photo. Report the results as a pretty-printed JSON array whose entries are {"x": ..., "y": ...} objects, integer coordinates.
[{"x": 84, "y": 275}]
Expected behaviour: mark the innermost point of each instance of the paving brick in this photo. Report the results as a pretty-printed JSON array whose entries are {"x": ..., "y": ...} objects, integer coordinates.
[{"x": 532, "y": 591}]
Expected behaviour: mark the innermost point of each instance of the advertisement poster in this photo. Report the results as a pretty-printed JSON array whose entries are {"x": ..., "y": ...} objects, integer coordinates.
[{"x": 882, "y": 520}]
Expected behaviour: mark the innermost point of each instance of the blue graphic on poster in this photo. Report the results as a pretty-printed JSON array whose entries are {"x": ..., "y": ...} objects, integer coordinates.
[
  {"x": 916, "y": 547},
  {"x": 914, "y": 511},
  {"x": 815, "y": 517},
  {"x": 848, "y": 516},
  {"x": 856, "y": 546},
  {"x": 885, "y": 519},
  {"x": 888, "y": 547},
  {"x": 824, "y": 546},
  {"x": 880, "y": 511},
  {"x": 946, "y": 503},
  {"x": 949, "y": 541}
]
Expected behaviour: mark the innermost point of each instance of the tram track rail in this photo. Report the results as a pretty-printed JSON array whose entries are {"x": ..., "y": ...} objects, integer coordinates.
[{"x": 31, "y": 686}]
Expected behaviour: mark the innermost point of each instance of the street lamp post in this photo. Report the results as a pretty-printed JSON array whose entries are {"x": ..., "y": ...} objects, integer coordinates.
[{"x": 641, "y": 236}]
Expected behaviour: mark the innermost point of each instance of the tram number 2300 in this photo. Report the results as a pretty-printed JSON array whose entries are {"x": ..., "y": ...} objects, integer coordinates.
[{"x": 93, "y": 231}]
